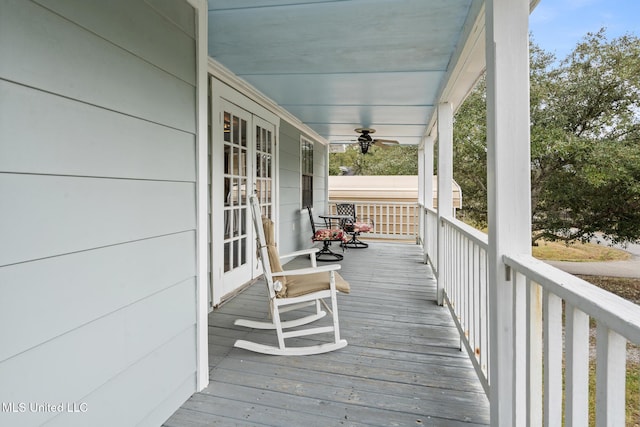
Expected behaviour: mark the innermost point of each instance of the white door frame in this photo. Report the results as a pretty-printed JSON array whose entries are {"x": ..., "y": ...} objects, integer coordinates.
[
  {"x": 202, "y": 297},
  {"x": 222, "y": 95}
]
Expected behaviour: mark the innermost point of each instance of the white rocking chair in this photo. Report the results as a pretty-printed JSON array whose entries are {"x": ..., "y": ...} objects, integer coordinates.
[{"x": 291, "y": 290}]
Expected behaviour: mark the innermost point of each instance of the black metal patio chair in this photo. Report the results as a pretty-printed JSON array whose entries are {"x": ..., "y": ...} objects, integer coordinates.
[{"x": 355, "y": 227}]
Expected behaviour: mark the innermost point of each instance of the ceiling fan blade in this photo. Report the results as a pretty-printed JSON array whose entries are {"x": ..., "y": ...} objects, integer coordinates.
[
  {"x": 385, "y": 141},
  {"x": 381, "y": 145},
  {"x": 341, "y": 146}
]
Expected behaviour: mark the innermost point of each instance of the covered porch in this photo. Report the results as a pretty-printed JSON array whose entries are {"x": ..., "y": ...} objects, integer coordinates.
[
  {"x": 403, "y": 365},
  {"x": 520, "y": 323}
]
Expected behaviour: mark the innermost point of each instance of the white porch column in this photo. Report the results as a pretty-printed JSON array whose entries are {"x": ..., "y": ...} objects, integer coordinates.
[
  {"x": 509, "y": 188},
  {"x": 421, "y": 216},
  {"x": 426, "y": 194},
  {"x": 445, "y": 186},
  {"x": 428, "y": 171},
  {"x": 421, "y": 174}
]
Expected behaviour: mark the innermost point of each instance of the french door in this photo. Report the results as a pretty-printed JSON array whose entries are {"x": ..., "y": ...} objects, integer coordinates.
[
  {"x": 237, "y": 182},
  {"x": 242, "y": 163},
  {"x": 264, "y": 165}
]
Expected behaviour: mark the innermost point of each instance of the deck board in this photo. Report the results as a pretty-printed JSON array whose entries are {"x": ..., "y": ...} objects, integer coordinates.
[{"x": 403, "y": 365}]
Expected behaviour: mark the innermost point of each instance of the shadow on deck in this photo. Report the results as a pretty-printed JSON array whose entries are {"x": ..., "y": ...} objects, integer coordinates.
[{"x": 403, "y": 365}]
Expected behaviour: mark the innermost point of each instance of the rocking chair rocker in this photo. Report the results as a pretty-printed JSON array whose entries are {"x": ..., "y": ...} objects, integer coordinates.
[{"x": 291, "y": 290}]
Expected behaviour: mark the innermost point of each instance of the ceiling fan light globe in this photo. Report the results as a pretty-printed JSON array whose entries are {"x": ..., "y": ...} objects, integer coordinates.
[{"x": 364, "y": 146}]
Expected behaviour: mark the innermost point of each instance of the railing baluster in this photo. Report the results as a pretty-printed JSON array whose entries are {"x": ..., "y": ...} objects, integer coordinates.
[
  {"x": 519, "y": 343},
  {"x": 477, "y": 298},
  {"x": 461, "y": 302},
  {"x": 576, "y": 367},
  {"x": 610, "y": 377},
  {"x": 474, "y": 298},
  {"x": 534, "y": 354},
  {"x": 387, "y": 220},
  {"x": 468, "y": 287},
  {"x": 431, "y": 220},
  {"x": 484, "y": 313},
  {"x": 552, "y": 325}
]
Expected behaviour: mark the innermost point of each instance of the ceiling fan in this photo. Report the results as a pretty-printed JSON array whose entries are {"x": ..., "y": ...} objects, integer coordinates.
[{"x": 365, "y": 141}]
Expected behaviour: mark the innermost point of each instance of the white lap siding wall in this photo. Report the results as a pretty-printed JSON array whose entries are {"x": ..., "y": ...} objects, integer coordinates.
[{"x": 98, "y": 211}]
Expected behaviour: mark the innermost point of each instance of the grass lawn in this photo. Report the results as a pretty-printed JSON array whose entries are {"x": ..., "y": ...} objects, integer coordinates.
[{"x": 579, "y": 252}]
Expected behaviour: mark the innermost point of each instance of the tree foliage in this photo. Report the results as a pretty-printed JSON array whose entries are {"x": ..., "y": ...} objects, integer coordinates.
[
  {"x": 470, "y": 156},
  {"x": 393, "y": 160},
  {"x": 585, "y": 143}
]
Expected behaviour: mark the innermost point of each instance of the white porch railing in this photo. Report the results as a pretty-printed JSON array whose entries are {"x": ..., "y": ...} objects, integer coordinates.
[
  {"x": 430, "y": 237},
  {"x": 539, "y": 292},
  {"x": 393, "y": 220},
  {"x": 544, "y": 346},
  {"x": 464, "y": 275}
]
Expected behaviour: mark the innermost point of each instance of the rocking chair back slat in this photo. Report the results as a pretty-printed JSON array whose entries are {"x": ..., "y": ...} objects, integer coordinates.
[{"x": 261, "y": 244}]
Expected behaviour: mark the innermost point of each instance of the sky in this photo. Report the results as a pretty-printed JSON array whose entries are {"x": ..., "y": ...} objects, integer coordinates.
[{"x": 558, "y": 25}]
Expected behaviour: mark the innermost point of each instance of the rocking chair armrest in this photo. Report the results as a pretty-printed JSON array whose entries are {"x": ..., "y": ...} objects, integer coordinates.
[
  {"x": 301, "y": 252},
  {"x": 309, "y": 270}
]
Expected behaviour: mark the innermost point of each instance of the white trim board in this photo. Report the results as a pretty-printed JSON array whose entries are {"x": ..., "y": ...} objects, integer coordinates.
[
  {"x": 202, "y": 201},
  {"x": 226, "y": 76}
]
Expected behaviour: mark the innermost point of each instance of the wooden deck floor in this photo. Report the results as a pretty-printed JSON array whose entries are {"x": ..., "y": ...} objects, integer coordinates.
[{"x": 402, "y": 367}]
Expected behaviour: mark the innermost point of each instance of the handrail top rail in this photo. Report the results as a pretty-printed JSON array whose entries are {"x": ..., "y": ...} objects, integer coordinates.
[
  {"x": 430, "y": 210},
  {"x": 477, "y": 236},
  {"x": 371, "y": 202},
  {"x": 617, "y": 313}
]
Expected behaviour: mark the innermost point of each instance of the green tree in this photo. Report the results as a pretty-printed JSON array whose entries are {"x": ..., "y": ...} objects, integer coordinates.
[
  {"x": 585, "y": 143},
  {"x": 470, "y": 156},
  {"x": 392, "y": 160}
]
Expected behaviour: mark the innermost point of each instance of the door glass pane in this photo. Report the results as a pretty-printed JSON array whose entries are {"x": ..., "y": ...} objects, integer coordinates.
[
  {"x": 263, "y": 171},
  {"x": 243, "y": 132},
  {"x": 235, "y": 190},
  {"x": 258, "y": 139},
  {"x": 243, "y": 192},
  {"x": 259, "y": 189},
  {"x": 236, "y": 252},
  {"x": 243, "y": 163},
  {"x": 235, "y": 131},
  {"x": 236, "y": 223},
  {"x": 227, "y": 126},
  {"x": 269, "y": 145},
  {"x": 234, "y": 160},
  {"x": 227, "y": 159},
  {"x": 258, "y": 167},
  {"x": 227, "y": 224},
  {"x": 227, "y": 191},
  {"x": 227, "y": 257},
  {"x": 243, "y": 250}
]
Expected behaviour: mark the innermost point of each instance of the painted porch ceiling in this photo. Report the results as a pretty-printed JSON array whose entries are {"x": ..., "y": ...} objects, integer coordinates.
[{"x": 342, "y": 64}]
